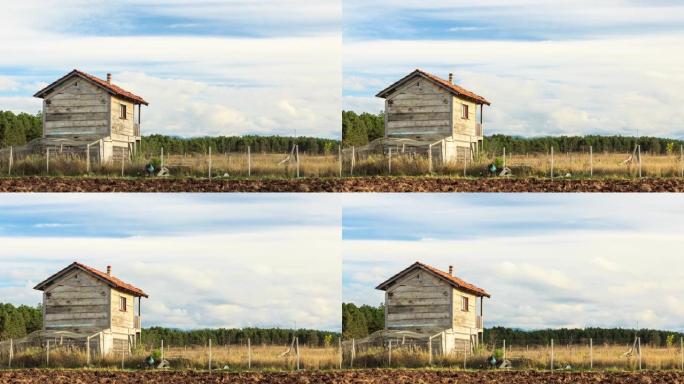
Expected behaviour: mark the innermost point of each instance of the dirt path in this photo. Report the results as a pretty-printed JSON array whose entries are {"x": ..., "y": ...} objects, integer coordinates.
[
  {"x": 345, "y": 377},
  {"x": 360, "y": 184}
]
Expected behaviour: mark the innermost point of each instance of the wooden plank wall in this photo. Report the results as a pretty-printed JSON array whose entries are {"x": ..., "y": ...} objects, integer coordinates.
[
  {"x": 77, "y": 108},
  {"x": 78, "y": 303},
  {"x": 122, "y": 321},
  {"x": 419, "y": 302},
  {"x": 464, "y": 321},
  {"x": 123, "y": 127},
  {"x": 419, "y": 110},
  {"x": 465, "y": 126}
]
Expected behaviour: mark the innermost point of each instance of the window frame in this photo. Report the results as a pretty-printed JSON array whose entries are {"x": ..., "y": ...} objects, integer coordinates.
[
  {"x": 123, "y": 112},
  {"x": 123, "y": 304},
  {"x": 465, "y": 112},
  {"x": 465, "y": 304}
]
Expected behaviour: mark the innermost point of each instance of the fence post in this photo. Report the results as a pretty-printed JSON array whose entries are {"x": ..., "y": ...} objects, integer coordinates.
[
  {"x": 209, "y": 162},
  {"x": 639, "y": 154},
  {"x": 389, "y": 357},
  {"x": 591, "y": 161},
  {"x": 249, "y": 164},
  {"x": 123, "y": 356},
  {"x": 465, "y": 354},
  {"x": 551, "y": 355},
  {"x": 11, "y": 353},
  {"x": 88, "y": 350},
  {"x": 249, "y": 352},
  {"x": 162, "y": 157},
  {"x": 339, "y": 341},
  {"x": 430, "y": 350},
  {"x": 551, "y": 162},
  {"x": 353, "y": 161},
  {"x": 297, "y": 158},
  {"x": 297, "y": 346},
  {"x": 681, "y": 158},
  {"x": 339, "y": 158},
  {"x": 47, "y": 160},
  {"x": 88, "y": 158},
  {"x": 639, "y": 346},
  {"x": 210, "y": 341},
  {"x": 162, "y": 349},
  {"x": 504, "y": 349},
  {"x": 430, "y": 158},
  {"x": 591, "y": 353},
  {"x": 681, "y": 346},
  {"x": 9, "y": 169},
  {"x": 47, "y": 354},
  {"x": 504, "y": 157},
  {"x": 353, "y": 354},
  {"x": 389, "y": 163}
]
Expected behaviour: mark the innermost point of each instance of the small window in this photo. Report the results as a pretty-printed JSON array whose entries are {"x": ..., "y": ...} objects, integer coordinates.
[
  {"x": 122, "y": 112},
  {"x": 464, "y": 111},
  {"x": 122, "y": 304},
  {"x": 464, "y": 304}
]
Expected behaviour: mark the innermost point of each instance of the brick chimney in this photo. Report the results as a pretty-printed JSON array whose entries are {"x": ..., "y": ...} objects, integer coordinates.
[
  {"x": 451, "y": 270},
  {"x": 451, "y": 78},
  {"x": 109, "y": 78},
  {"x": 109, "y": 270}
]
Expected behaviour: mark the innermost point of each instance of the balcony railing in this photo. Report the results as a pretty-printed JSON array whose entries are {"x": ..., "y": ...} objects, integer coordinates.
[
  {"x": 137, "y": 322},
  {"x": 478, "y": 129},
  {"x": 480, "y": 322}
]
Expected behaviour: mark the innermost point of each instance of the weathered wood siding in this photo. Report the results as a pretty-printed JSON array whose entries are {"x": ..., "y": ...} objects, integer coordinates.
[
  {"x": 419, "y": 110},
  {"x": 464, "y": 321},
  {"x": 77, "y": 109},
  {"x": 122, "y": 127},
  {"x": 419, "y": 302},
  {"x": 122, "y": 322},
  {"x": 78, "y": 303},
  {"x": 463, "y": 126}
]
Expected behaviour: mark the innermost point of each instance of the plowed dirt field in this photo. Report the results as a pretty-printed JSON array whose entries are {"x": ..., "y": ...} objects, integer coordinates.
[{"x": 360, "y": 184}]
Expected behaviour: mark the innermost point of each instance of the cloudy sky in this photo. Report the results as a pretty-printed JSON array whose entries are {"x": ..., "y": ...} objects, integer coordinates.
[
  {"x": 547, "y": 260},
  {"x": 205, "y": 261},
  {"x": 215, "y": 67},
  {"x": 548, "y": 67}
]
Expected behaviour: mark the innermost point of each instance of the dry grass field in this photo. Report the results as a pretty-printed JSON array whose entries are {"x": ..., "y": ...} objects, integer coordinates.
[
  {"x": 572, "y": 357},
  {"x": 281, "y": 166},
  {"x": 235, "y": 357}
]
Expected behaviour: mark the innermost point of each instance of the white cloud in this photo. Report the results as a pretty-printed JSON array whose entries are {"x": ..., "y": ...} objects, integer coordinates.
[
  {"x": 607, "y": 85},
  {"x": 196, "y": 84}
]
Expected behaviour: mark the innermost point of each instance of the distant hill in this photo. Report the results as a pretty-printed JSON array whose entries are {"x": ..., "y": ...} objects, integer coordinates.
[
  {"x": 18, "y": 321},
  {"x": 360, "y": 129},
  {"x": 360, "y": 321}
]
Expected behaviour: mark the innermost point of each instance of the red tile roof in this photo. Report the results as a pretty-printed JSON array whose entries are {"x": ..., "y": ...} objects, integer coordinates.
[
  {"x": 453, "y": 88},
  {"x": 111, "y": 88},
  {"x": 453, "y": 280},
  {"x": 110, "y": 280}
]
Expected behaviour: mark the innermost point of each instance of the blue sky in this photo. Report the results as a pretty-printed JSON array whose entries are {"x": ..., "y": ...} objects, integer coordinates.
[
  {"x": 548, "y": 260},
  {"x": 206, "y": 261},
  {"x": 207, "y": 68},
  {"x": 548, "y": 67}
]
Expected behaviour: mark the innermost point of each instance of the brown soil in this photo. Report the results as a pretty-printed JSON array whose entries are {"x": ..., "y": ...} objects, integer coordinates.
[
  {"x": 344, "y": 377},
  {"x": 360, "y": 184}
]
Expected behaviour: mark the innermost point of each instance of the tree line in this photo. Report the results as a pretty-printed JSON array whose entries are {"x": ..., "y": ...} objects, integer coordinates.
[
  {"x": 19, "y": 321},
  {"x": 19, "y": 129},
  {"x": 222, "y": 336},
  {"x": 360, "y": 321},
  {"x": 358, "y": 130}
]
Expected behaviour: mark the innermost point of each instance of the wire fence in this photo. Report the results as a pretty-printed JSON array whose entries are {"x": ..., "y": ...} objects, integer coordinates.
[{"x": 399, "y": 159}]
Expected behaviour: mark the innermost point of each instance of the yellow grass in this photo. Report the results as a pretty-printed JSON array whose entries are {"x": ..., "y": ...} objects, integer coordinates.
[
  {"x": 605, "y": 357},
  {"x": 575, "y": 165},
  {"x": 265, "y": 165},
  {"x": 235, "y": 357}
]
